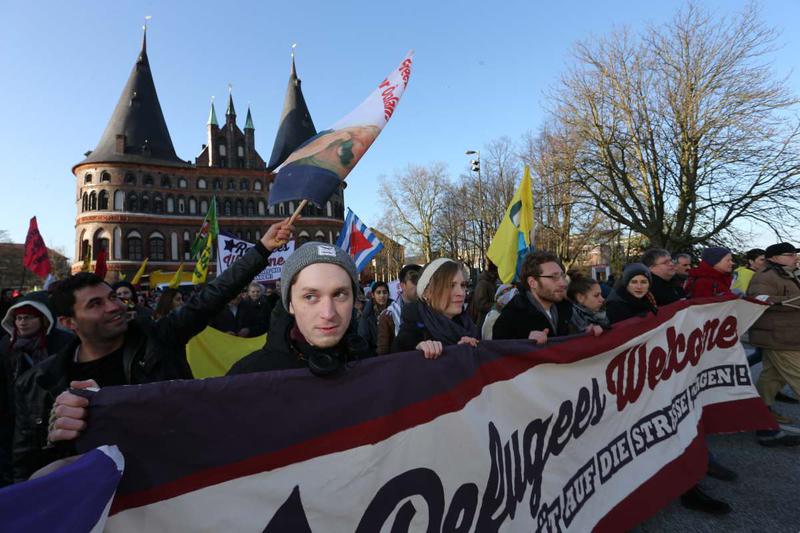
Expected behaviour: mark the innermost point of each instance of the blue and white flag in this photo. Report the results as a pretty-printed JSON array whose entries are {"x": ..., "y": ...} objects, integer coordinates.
[
  {"x": 358, "y": 240},
  {"x": 74, "y": 497}
]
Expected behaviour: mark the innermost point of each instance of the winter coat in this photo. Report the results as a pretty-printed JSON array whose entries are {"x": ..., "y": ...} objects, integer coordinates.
[
  {"x": 779, "y": 327},
  {"x": 705, "y": 281},
  {"x": 483, "y": 296},
  {"x": 622, "y": 305},
  {"x": 413, "y": 329},
  {"x": 520, "y": 317},
  {"x": 152, "y": 351},
  {"x": 665, "y": 292},
  {"x": 281, "y": 352},
  {"x": 368, "y": 324}
]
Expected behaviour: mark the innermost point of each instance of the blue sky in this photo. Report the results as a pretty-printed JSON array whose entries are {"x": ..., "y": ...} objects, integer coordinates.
[{"x": 481, "y": 71}]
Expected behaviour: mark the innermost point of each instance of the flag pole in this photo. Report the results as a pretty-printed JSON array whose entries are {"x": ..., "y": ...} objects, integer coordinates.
[{"x": 297, "y": 211}]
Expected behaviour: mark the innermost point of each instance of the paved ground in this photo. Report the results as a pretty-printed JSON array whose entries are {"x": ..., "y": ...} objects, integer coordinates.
[{"x": 765, "y": 498}]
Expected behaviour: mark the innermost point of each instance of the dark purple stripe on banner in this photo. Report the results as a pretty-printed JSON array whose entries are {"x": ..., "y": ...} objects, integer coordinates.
[{"x": 242, "y": 425}]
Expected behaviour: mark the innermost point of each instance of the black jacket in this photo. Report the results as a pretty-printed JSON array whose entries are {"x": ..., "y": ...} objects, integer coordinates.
[
  {"x": 152, "y": 351},
  {"x": 520, "y": 317},
  {"x": 666, "y": 292},
  {"x": 622, "y": 305},
  {"x": 368, "y": 324},
  {"x": 413, "y": 331},
  {"x": 281, "y": 353}
]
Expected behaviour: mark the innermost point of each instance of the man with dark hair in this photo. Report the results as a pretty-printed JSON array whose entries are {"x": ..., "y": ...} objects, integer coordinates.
[
  {"x": 483, "y": 296},
  {"x": 110, "y": 350},
  {"x": 389, "y": 321},
  {"x": 756, "y": 261},
  {"x": 683, "y": 262},
  {"x": 540, "y": 309},
  {"x": 659, "y": 261}
]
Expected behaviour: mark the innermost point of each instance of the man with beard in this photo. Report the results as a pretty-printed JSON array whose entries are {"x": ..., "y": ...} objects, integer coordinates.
[
  {"x": 110, "y": 350},
  {"x": 540, "y": 309}
]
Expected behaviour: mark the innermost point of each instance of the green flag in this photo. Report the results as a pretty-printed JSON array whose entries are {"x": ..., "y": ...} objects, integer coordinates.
[{"x": 209, "y": 229}]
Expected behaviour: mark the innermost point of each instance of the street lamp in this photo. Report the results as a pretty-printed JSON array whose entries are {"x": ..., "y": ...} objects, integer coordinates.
[{"x": 475, "y": 166}]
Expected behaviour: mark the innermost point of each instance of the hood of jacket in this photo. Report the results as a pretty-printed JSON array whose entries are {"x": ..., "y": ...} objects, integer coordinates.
[{"x": 37, "y": 300}]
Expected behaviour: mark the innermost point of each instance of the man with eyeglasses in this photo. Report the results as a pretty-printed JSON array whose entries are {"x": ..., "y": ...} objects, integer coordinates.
[
  {"x": 540, "y": 310},
  {"x": 659, "y": 261},
  {"x": 777, "y": 331}
]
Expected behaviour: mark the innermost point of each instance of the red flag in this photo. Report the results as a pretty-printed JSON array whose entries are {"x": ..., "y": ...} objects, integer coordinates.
[
  {"x": 358, "y": 243},
  {"x": 36, "y": 259},
  {"x": 100, "y": 266}
]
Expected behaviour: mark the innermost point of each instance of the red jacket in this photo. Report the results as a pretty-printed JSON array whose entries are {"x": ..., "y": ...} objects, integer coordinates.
[{"x": 705, "y": 281}]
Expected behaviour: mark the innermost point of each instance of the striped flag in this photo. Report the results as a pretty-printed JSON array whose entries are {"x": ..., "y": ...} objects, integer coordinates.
[{"x": 358, "y": 240}]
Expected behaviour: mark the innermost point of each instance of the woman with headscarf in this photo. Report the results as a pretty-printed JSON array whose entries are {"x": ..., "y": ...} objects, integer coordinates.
[
  {"x": 32, "y": 336},
  {"x": 631, "y": 297},
  {"x": 438, "y": 318},
  {"x": 368, "y": 322}
]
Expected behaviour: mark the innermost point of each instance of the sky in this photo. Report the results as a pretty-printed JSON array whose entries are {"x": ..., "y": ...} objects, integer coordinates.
[{"x": 482, "y": 70}]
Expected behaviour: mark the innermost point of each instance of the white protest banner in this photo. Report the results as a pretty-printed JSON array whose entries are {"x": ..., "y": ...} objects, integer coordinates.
[
  {"x": 579, "y": 435},
  {"x": 229, "y": 249}
]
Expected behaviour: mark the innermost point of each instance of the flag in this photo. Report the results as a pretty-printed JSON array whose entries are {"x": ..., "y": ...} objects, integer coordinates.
[
  {"x": 36, "y": 259},
  {"x": 209, "y": 229},
  {"x": 315, "y": 170},
  {"x": 513, "y": 238},
  {"x": 87, "y": 260},
  {"x": 123, "y": 276},
  {"x": 74, "y": 495},
  {"x": 139, "y": 273},
  {"x": 100, "y": 265},
  {"x": 200, "y": 271},
  {"x": 175, "y": 282},
  {"x": 49, "y": 280},
  {"x": 358, "y": 240},
  {"x": 211, "y": 353}
]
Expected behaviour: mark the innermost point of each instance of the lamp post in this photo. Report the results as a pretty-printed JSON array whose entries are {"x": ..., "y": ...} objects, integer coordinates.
[{"x": 475, "y": 166}]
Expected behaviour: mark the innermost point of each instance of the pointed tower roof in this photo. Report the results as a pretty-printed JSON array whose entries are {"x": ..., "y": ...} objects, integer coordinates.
[
  {"x": 137, "y": 119},
  {"x": 296, "y": 126},
  {"x": 248, "y": 123},
  {"x": 212, "y": 116},
  {"x": 230, "y": 110}
]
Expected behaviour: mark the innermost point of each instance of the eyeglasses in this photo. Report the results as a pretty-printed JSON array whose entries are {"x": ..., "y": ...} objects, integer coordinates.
[{"x": 562, "y": 276}]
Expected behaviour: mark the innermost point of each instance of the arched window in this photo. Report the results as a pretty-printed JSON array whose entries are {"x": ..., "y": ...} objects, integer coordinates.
[
  {"x": 182, "y": 183},
  {"x": 192, "y": 205},
  {"x": 222, "y": 150},
  {"x": 261, "y": 208},
  {"x": 240, "y": 151},
  {"x": 133, "y": 202},
  {"x": 130, "y": 179},
  {"x": 258, "y": 234},
  {"x": 257, "y": 185},
  {"x": 157, "y": 247},
  {"x": 93, "y": 201},
  {"x": 231, "y": 185},
  {"x": 158, "y": 203},
  {"x": 187, "y": 245},
  {"x": 87, "y": 178},
  {"x": 203, "y": 206},
  {"x": 166, "y": 182},
  {"x": 119, "y": 201},
  {"x": 181, "y": 205},
  {"x": 303, "y": 238},
  {"x": 202, "y": 183},
  {"x": 170, "y": 204},
  {"x": 173, "y": 241},
  {"x": 281, "y": 209},
  {"x": 329, "y": 208},
  {"x": 102, "y": 200},
  {"x": 148, "y": 180},
  {"x": 105, "y": 176},
  {"x": 145, "y": 203},
  {"x": 227, "y": 208},
  {"x": 117, "y": 243},
  {"x": 239, "y": 207},
  {"x": 244, "y": 185},
  {"x": 290, "y": 209},
  {"x": 101, "y": 242},
  {"x": 135, "y": 252},
  {"x": 85, "y": 202},
  {"x": 248, "y": 236},
  {"x": 319, "y": 236},
  {"x": 217, "y": 184}
]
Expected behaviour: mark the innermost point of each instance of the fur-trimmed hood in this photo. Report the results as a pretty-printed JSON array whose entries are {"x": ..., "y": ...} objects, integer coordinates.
[{"x": 37, "y": 300}]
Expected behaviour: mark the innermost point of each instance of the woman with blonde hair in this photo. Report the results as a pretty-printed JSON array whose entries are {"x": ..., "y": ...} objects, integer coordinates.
[{"x": 438, "y": 319}]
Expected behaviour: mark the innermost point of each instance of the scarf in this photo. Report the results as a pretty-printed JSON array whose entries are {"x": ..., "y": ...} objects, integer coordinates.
[
  {"x": 27, "y": 352},
  {"x": 446, "y": 330},
  {"x": 582, "y": 317}
]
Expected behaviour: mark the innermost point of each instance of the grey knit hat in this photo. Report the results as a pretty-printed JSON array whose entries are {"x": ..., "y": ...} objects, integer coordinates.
[{"x": 309, "y": 254}]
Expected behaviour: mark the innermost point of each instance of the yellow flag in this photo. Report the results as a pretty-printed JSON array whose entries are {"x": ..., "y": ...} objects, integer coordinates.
[
  {"x": 513, "y": 237},
  {"x": 201, "y": 267},
  {"x": 122, "y": 277},
  {"x": 139, "y": 273},
  {"x": 212, "y": 353},
  {"x": 176, "y": 279},
  {"x": 87, "y": 262}
]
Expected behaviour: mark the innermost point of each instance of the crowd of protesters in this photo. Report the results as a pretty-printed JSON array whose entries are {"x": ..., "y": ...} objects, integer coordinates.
[{"x": 85, "y": 333}]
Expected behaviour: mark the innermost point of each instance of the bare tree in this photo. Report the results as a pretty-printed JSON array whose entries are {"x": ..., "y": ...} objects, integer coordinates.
[
  {"x": 684, "y": 129},
  {"x": 412, "y": 200}
]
